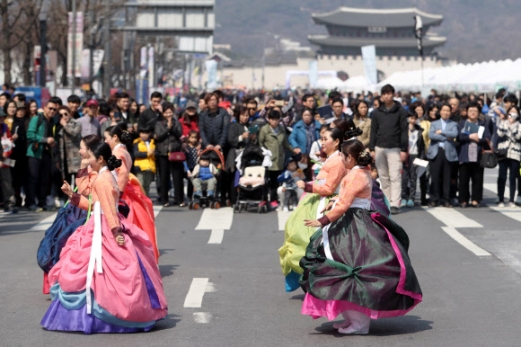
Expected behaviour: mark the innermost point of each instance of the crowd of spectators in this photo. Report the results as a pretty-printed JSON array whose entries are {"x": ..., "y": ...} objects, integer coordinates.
[{"x": 437, "y": 140}]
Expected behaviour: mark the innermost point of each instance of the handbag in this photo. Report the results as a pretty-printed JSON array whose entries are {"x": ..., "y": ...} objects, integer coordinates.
[
  {"x": 177, "y": 157},
  {"x": 489, "y": 159}
]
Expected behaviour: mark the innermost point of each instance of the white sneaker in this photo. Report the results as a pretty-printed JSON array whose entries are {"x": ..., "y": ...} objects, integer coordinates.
[
  {"x": 359, "y": 323},
  {"x": 291, "y": 207},
  {"x": 285, "y": 209},
  {"x": 511, "y": 204},
  {"x": 501, "y": 204}
]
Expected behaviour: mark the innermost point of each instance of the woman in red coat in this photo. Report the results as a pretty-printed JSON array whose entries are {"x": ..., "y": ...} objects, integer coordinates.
[{"x": 190, "y": 119}]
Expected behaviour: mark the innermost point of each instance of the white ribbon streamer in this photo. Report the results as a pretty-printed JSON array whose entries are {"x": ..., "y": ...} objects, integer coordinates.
[{"x": 95, "y": 254}]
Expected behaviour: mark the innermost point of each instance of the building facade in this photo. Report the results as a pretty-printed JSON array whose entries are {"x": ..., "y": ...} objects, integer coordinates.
[{"x": 391, "y": 31}]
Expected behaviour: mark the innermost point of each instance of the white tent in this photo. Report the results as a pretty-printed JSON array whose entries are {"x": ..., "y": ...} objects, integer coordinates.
[{"x": 478, "y": 77}]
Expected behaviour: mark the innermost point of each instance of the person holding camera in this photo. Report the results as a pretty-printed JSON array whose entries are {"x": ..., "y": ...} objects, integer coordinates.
[
  {"x": 40, "y": 141},
  {"x": 89, "y": 124},
  {"x": 509, "y": 148}
]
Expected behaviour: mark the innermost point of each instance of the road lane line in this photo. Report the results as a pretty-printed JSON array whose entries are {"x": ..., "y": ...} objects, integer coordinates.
[
  {"x": 283, "y": 218},
  {"x": 202, "y": 317},
  {"x": 44, "y": 224},
  {"x": 452, "y": 218},
  {"x": 157, "y": 209},
  {"x": 217, "y": 221},
  {"x": 462, "y": 240},
  {"x": 194, "y": 298},
  {"x": 216, "y": 237}
]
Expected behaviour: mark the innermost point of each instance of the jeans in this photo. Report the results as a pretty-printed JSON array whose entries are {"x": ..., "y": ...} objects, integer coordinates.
[{"x": 505, "y": 165}]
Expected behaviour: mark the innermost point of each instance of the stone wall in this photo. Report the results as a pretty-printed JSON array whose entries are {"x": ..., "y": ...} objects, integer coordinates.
[{"x": 275, "y": 76}]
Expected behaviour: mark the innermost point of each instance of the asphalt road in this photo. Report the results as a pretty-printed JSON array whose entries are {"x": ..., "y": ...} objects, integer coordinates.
[{"x": 230, "y": 292}]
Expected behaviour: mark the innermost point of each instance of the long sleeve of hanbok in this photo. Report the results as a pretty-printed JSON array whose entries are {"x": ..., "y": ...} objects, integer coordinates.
[
  {"x": 335, "y": 171},
  {"x": 105, "y": 191},
  {"x": 355, "y": 185},
  {"x": 124, "y": 170},
  {"x": 84, "y": 179}
]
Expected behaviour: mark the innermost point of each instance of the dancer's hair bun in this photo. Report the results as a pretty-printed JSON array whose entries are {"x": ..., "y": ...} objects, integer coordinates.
[{"x": 113, "y": 163}]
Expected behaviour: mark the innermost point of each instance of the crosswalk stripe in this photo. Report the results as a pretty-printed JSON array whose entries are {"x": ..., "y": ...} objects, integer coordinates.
[
  {"x": 194, "y": 298},
  {"x": 44, "y": 224},
  {"x": 462, "y": 240},
  {"x": 283, "y": 217},
  {"x": 452, "y": 218}
]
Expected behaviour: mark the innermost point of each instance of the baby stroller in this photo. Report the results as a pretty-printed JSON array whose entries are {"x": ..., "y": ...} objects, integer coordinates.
[
  {"x": 216, "y": 159},
  {"x": 252, "y": 183}
]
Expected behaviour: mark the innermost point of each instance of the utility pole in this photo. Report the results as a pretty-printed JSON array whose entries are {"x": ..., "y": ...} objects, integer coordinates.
[
  {"x": 43, "y": 49},
  {"x": 73, "y": 84},
  {"x": 91, "y": 48},
  {"x": 106, "y": 64}
]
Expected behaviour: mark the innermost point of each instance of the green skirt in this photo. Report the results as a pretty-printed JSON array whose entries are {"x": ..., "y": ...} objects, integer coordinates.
[{"x": 296, "y": 238}]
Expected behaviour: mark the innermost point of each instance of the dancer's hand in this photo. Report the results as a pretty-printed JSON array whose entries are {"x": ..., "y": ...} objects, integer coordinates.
[
  {"x": 312, "y": 223},
  {"x": 120, "y": 239},
  {"x": 301, "y": 184},
  {"x": 67, "y": 189},
  {"x": 328, "y": 207}
]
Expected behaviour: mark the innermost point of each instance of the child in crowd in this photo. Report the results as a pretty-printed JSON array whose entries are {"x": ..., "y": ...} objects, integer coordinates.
[
  {"x": 288, "y": 178},
  {"x": 6, "y": 148},
  {"x": 192, "y": 149},
  {"x": 145, "y": 160},
  {"x": 416, "y": 150},
  {"x": 203, "y": 175}
]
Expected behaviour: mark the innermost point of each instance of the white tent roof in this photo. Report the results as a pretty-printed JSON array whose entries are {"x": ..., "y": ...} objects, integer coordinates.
[{"x": 477, "y": 77}]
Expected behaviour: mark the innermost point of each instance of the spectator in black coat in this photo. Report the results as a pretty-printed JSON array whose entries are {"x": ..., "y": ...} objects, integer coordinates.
[
  {"x": 148, "y": 119},
  {"x": 213, "y": 127}
]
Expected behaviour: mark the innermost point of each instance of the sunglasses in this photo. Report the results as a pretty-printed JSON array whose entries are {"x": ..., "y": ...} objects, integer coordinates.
[
  {"x": 252, "y": 109},
  {"x": 64, "y": 114},
  {"x": 52, "y": 109}
]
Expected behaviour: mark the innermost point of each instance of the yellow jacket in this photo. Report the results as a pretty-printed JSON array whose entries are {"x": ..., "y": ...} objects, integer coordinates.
[{"x": 143, "y": 161}]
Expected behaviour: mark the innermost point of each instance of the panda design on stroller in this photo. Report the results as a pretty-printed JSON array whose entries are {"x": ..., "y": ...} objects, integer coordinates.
[
  {"x": 205, "y": 179},
  {"x": 251, "y": 182}
]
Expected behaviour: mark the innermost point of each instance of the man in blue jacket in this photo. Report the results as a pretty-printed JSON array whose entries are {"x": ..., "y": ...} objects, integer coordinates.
[
  {"x": 305, "y": 132},
  {"x": 442, "y": 155}
]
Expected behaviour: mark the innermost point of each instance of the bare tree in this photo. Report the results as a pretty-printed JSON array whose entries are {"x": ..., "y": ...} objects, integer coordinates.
[{"x": 18, "y": 18}]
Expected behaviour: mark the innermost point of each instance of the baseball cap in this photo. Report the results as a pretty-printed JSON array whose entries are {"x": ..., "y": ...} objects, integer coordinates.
[
  {"x": 191, "y": 104},
  {"x": 92, "y": 102},
  {"x": 20, "y": 104}
]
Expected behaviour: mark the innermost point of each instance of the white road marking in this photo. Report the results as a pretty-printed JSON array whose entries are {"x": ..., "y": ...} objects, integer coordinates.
[
  {"x": 202, "y": 317},
  {"x": 510, "y": 212},
  {"x": 217, "y": 221},
  {"x": 216, "y": 237},
  {"x": 462, "y": 240},
  {"x": 452, "y": 218},
  {"x": 44, "y": 224},
  {"x": 283, "y": 218},
  {"x": 194, "y": 298},
  {"x": 157, "y": 209}
]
